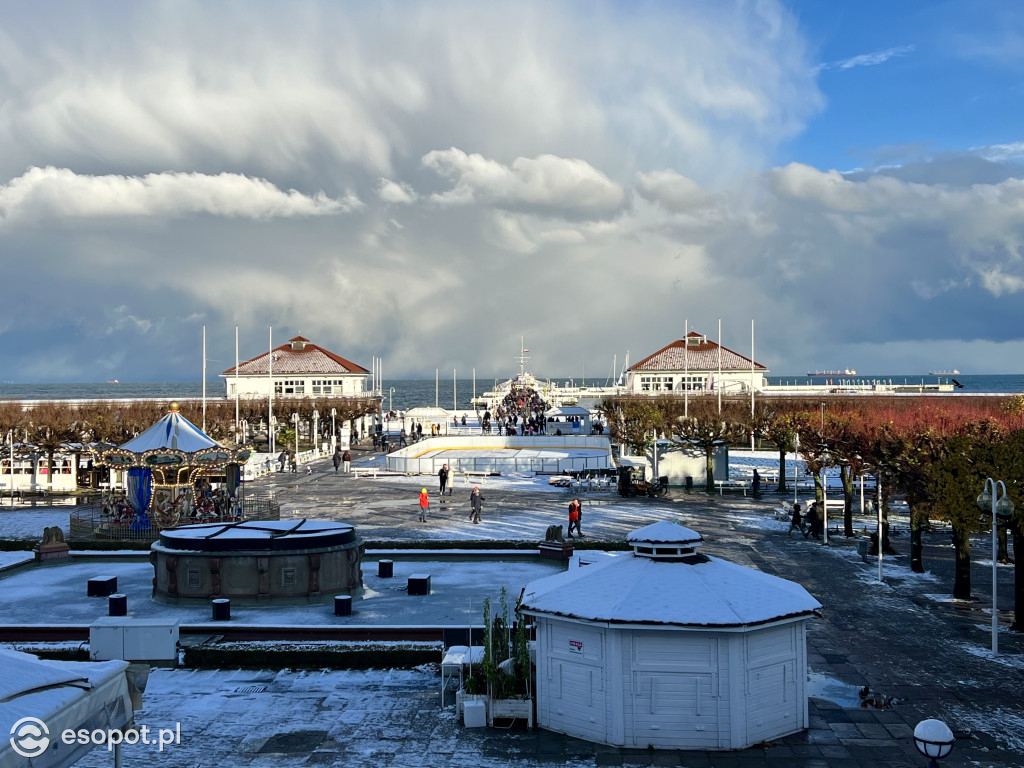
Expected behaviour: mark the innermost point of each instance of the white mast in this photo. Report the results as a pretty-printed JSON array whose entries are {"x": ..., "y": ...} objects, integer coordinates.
[
  {"x": 686, "y": 367},
  {"x": 718, "y": 384},
  {"x": 455, "y": 399},
  {"x": 204, "y": 378},
  {"x": 751, "y": 379},
  {"x": 236, "y": 386},
  {"x": 270, "y": 393}
]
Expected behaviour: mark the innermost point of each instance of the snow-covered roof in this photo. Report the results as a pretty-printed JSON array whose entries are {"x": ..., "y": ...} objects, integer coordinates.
[
  {"x": 299, "y": 355},
  {"x": 173, "y": 431},
  {"x": 664, "y": 532},
  {"x": 48, "y": 690},
  {"x": 426, "y": 412},
  {"x": 697, "y": 591},
  {"x": 700, "y": 356},
  {"x": 256, "y": 534},
  {"x": 567, "y": 410}
]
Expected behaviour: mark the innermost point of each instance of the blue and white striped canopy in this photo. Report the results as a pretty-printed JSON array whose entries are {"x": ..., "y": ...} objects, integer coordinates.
[{"x": 173, "y": 432}]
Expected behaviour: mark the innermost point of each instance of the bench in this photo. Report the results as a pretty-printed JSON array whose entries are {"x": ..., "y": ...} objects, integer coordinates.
[
  {"x": 368, "y": 471},
  {"x": 101, "y": 586},
  {"x": 732, "y": 485}
]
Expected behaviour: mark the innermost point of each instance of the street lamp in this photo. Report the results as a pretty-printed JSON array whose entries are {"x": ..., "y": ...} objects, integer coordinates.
[
  {"x": 334, "y": 431},
  {"x": 1001, "y": 507},
  {"x": 316, "y": 432},
  {"x": 934, "y": 740},
  {"x": 796, "y": 456},
  {"x": 824, "y": 491},
  {"x": 391, "y": 391},
  {"x": 295, "y": 421},
  {"x": 10, "y": 439}
]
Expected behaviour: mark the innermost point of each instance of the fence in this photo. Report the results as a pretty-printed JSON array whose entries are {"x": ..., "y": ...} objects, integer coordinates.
[
  {"x": 89, "y": 523},
  {"x": 411, "y": 460}
]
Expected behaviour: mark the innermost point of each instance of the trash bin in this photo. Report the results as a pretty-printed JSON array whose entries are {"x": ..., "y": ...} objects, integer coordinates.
[
  {"x": 117, "y": 605},
  {"x": 862, "y": 548},
  {"x": 221, "y": 609},
  {"x": 689, "y": 483}
]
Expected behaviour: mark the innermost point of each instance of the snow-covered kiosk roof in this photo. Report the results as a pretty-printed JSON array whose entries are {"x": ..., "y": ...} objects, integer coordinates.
[
  {"x": 62, "y": 694},
  {"x": 567, "y": 410},
  {"x": 666, "y": 581}
]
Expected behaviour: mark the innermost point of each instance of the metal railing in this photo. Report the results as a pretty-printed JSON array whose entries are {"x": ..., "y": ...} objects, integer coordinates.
[{"x": 90, "y": 523}]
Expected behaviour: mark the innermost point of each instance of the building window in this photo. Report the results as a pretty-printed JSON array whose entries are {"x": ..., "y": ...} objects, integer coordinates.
[{"x": 291, "y": 387}]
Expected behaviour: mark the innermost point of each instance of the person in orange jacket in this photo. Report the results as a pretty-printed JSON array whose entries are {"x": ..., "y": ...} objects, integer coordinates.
[
  {"x": 574, "y": 518},
  {"x": 424, "y": 505}
]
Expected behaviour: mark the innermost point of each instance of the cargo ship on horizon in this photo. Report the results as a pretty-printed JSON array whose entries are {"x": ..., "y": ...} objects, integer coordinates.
[{"x": 843, "y": 372}]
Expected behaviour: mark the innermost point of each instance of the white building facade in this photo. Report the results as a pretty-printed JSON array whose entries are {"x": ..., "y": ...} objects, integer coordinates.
[
  {"x": 295, "y": 370},
  {"x": 698, "y": 365}
]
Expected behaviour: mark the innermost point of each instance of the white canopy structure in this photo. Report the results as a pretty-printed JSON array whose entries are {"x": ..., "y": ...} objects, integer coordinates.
[{"x": 60, "y": 695}]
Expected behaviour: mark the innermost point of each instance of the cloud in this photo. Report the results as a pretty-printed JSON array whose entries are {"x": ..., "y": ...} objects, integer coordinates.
[
  {"x": 396, "y": 192},
  {"x": 872, "y": 59},
  {"x": 672, "y": 191},
  {"x": 546, "y": 184},
  {"x": 45, "y": 193}
]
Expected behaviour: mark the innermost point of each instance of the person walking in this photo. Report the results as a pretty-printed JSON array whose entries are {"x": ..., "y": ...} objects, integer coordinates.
[
  {"x": 442, "y": 476},
  {"x": 337, "y": 461},
  {"x": 814, "y": 521},
  {"x": 476, "y": 504},
  {"x": 295, "y": 463},
  {"x": 346, "y": 461},
  {"x": 755, "y": 484},
  {"x": 574, "y": 518},
  {"x": 424, "y": 505},
  {"x": 283, "y": 458},
  {"x": 796, "y": 522}
]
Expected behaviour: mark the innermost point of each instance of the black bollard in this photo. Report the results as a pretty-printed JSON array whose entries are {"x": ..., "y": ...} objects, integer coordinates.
[
  {"x": 343, "y": 605},
  {"x": 221, "y": 609},
  {"x": 117, "y": 605},
  {"x": 385, "y": 568}
]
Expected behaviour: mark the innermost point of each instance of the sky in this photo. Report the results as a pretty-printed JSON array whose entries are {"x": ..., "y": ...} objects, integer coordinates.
[{"x": 427, "y": 183}]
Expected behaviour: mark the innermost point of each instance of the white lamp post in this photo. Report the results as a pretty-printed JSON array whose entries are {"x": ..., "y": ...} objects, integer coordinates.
[
  {"x": 934, "y": 740},
  {"x": 824, "y": 494},
  {"x": 796, "y": 456},
  {"x": 316, "y": 432},
  {"x": 334, "y": 431},
  {"x": 295, "y": 421},
  {"x": 10, "y": 439},
  {"x": 1001, "y": 506}
]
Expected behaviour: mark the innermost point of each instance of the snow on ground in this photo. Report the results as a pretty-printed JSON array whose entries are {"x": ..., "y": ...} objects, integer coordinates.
[
  {"x": 1006, "y": 727},
  {"x": 1014, "y": 662},
  {"x": 29, "y": 524},
  {"x": 10, "y": 558}
]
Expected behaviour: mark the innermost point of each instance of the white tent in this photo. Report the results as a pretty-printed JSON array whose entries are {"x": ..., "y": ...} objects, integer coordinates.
[{"x": 60, "y": 695}]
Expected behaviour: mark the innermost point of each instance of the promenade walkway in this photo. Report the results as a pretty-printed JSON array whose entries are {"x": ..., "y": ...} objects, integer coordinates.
[{"x": 904, "y": 640}]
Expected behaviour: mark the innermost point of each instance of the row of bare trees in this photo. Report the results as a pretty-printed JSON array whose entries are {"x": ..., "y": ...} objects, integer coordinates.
[
  {"x": 48, "y": 426},
  {"x": 935, "y": 451}
]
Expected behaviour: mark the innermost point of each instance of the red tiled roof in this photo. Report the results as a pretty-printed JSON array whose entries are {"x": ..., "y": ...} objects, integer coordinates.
[
  {"x": 310, "y": 359},
  {"x": 701, "y": 356}
]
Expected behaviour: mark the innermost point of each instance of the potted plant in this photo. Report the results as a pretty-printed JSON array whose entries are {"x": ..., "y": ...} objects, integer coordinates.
[
  {"x": 473, "y": 689},
  {"x": 507, "y": 666}
]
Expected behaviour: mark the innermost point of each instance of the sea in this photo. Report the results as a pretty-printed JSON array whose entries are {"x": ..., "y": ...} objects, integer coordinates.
[{"x": 402, "y": 394}]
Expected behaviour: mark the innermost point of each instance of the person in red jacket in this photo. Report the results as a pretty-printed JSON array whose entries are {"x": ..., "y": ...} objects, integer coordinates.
[
  {"x": 574, "y": 518},
  {"x": 424, "y": 505}
]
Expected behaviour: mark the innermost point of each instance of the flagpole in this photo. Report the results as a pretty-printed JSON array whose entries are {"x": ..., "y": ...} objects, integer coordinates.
[
  {"x": 270, "y": 392},
  {"x": 236, "y": 387},
  {"x": 204, "y": 379}
]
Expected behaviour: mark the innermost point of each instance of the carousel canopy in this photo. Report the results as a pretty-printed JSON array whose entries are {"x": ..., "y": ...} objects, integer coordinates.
[{"x": 173, "y": 432}]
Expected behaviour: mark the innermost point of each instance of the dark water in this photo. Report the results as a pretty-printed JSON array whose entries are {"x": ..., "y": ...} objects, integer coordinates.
[{"x": 409, "y": 393}]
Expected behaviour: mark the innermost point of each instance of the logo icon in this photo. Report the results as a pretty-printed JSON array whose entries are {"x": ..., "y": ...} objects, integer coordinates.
[{"x": 30, "y": 737}]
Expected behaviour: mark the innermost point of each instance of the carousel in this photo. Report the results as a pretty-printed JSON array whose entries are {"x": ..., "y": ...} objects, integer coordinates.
[{"x": 176, "y": 474}]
